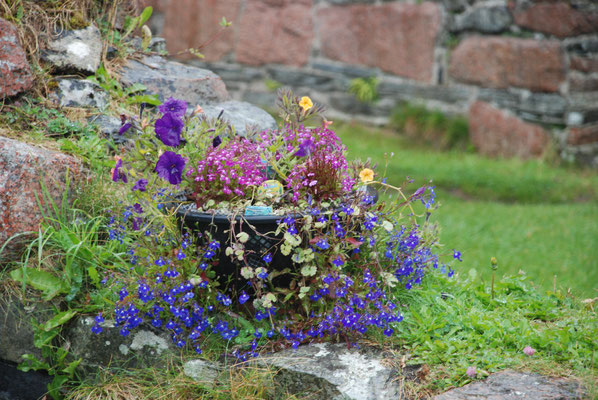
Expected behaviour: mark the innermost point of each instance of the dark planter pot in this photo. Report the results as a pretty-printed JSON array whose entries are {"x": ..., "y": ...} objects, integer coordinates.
[{"x": 262, "y": 240}]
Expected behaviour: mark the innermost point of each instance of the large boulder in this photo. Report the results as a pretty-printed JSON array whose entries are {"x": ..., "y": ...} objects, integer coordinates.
[
  {"x": 23, "y": 169},
  {"x": 78, "y": 50},
  {"x": 243, "y": 116},
  {"x": 173, "y": 79},
  {"x": 15, "y": 74}
]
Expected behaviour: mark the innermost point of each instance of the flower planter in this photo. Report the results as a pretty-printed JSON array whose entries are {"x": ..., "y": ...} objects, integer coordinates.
[{"x": 260, "y": 228}]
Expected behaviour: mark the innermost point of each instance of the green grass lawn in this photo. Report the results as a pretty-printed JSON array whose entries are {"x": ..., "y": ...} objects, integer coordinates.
[{"x": 533, "y": 217}]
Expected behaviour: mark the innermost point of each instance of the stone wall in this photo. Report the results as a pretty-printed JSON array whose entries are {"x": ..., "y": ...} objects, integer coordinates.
[{"x": 525, "y": 71}]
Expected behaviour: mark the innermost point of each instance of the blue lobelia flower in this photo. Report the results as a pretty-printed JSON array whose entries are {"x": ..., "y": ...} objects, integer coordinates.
[
  {"x": 170, "y": 167},
  {"x": 168, "y": 129}
]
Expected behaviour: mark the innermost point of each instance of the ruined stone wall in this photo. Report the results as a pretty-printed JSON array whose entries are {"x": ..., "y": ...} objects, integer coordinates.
[{"x": 524, "y": 71}]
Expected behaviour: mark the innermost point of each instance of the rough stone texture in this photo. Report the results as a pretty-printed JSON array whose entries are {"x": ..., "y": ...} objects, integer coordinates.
[
  {"x": 141, "y": 348},
  {"x": 558, "y": 19},
  {"x": 15, "y": 74},
  {"x": 173, "y": 79},
  {"x": 76, "y": 50},
  {"x": 583, "y": 46},
  {"x": 19, "y": 385},
  {"x": 500, "y": 62},
  {"x": 585, "y": 134},
  {"x": 488, "y": 19},
  {"x": 583, "y": 64},
  {"x": 331, "y": 371},
  {"x": 81, "y": 93},
  {"x": 352, "y": 34},
  {"x": 202, "y": 371},
  {"x": 16, "y": 332},
  {"x": 579, "y": 82},
  {"x": 243, "y": 116},
  {"x": 536, "y": 107},
  {"x": 191, "y": 23},
  {"x": 275, "y": 32},
  {"x": 507, "y": 385},
  {"x": 495, "y": 132},
  {"x": 22, "y": 167}
]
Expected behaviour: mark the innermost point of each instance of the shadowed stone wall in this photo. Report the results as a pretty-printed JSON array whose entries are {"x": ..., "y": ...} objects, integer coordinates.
[{"x": 524, "y": 71}]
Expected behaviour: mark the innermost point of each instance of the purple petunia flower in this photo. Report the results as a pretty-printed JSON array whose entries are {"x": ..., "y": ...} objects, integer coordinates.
[
  {"x": 168, "y": 129},
  {"x": 117, "y": 174},
  {"x": 173, "y": 106},
  {"x": 125, "y": 127},
  {"x": 170, "y": 167},
  {"x": 140, "y": 185}
]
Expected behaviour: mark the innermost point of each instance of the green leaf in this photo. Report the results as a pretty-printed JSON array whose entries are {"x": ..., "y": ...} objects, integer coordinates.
[
  {"x": 32, "y": 363},
  {"x": 49, "y": 284},
  {"x": 144, "y": 98},
  {"x": 59, "y": 319},
  {"x": 145, "y": 15}
]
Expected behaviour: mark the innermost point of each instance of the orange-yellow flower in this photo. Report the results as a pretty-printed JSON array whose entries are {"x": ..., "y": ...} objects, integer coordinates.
[
  {"x": 366, "y": 175},
  {"x": 306, "y": 103}
]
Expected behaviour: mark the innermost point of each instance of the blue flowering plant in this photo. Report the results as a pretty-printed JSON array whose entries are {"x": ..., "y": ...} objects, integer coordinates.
[{"x": 335, "y": 264}]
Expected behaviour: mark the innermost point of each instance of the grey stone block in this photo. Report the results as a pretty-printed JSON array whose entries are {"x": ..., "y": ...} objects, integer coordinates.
[{"x": 78, "y": 49}]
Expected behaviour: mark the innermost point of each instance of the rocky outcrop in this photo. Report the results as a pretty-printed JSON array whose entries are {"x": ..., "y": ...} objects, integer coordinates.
[
  {"x": 78, "y": 50},
  {"x": 15, "y": 74}
]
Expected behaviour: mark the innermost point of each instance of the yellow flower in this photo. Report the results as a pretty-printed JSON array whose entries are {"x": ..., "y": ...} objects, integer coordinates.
[
  {"x": 366, "y": 175},
  {"x": 306, "y": 103}
]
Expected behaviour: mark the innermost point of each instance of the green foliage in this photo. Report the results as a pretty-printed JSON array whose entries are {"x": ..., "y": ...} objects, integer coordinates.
[
  {"x": 130, "y": 95},
  {"x": 431, "y": 126},
  {"x": 272, "y": 85},
  {"x": 453, "y": 323},
  {"x": 365, "y": 89},
  {"x": 41, "y": 121},
  {"x": 132, "y": 23}
]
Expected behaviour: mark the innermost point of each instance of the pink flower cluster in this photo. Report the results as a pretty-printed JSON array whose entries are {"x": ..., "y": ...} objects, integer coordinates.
[
  {"x": 228, "y": 170},
  {"x": 323, "y": 174}
]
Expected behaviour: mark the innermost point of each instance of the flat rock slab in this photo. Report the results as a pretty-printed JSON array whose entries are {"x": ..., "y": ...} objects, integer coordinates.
[
  {"x": 76, "y": 50},
  {"x": 173, "y": 79},
  {"x": 331, "y": 371},
  {"x": 509, "y": 385},
  {"x": 242, "y": 116}
]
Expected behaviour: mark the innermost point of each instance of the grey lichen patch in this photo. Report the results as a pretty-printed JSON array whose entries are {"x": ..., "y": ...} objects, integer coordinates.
[{"x": 150, "y": 339}]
